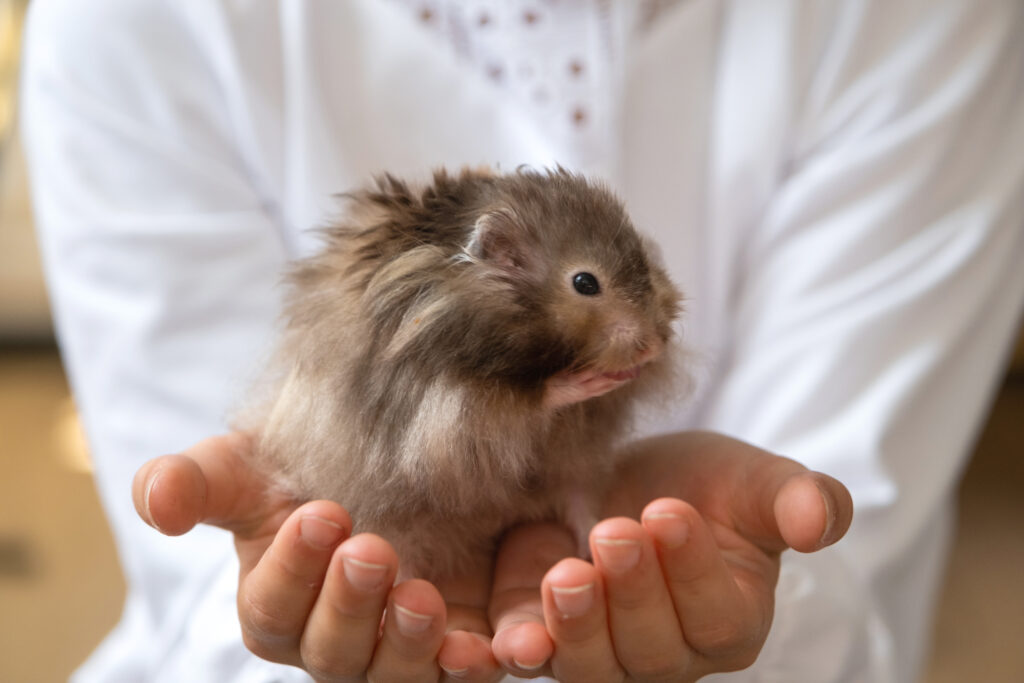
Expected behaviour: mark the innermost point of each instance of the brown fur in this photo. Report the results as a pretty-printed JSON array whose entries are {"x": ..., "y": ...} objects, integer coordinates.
[{"x": 413, "y": 379}]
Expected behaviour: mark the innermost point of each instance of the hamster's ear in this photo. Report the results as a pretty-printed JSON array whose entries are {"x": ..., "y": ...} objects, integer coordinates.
[{"x": 501, "y": 239}]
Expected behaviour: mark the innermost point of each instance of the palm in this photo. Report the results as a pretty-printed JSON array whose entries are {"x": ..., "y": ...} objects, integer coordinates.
[
  {"x": 693, "y": 603},
  {"x": 743, "y": 507}
]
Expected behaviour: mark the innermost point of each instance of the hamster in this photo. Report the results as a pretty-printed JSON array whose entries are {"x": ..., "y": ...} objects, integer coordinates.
[{"x": 465, "y": 356}]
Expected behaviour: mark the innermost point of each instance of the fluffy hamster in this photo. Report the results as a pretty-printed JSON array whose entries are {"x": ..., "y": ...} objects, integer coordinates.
[{"x": 465, "y": 356}]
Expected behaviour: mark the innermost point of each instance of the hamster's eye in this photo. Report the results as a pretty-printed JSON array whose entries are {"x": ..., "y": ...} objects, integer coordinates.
[{"x": 585, "y": 284}]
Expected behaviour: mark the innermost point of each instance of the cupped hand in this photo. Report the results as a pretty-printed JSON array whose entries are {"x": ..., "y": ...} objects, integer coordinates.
[
  {"x": 683, "y": 578},
  {"x": 310, "y": 594}
]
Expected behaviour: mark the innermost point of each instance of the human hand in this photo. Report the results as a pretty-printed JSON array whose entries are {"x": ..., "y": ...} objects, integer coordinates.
[
  {"x": 686, "y": 591},
  {"x": 310, "y": 595}
]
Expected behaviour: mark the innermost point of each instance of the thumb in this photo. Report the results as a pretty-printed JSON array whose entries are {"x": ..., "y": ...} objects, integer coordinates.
[
  {"x": 812, "y": 510},
  {"x": 786, "y": 505},
  {"x": 211, "y": 482}
]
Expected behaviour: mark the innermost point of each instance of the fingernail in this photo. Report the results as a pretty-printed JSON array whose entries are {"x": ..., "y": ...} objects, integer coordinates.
[
  {"x": 669, "y": 529},
  {"x": 573, "y": 601},
  {"x": 618, "y": 554},
  {"x": 411, "y": 623},
  {"x": 527, "y": 667},
  {"x": 366, "y": 576},
  {"x": 318, "y": 532},
  {"x": 145, "y": 499},
  {"x": 830, "y": 518},
  {"x": 457, "y": 673}
]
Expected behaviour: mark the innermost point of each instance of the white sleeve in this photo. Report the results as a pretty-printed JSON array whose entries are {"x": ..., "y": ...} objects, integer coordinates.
[
  {"x": 161, "y": 259},
  {"x": 875, "y": 301}
]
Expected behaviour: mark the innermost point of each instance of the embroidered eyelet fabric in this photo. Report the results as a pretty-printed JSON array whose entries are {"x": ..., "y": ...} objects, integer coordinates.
[{"x": 557, "y": 60}]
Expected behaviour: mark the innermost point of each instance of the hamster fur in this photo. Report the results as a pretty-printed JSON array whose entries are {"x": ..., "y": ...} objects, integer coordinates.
[{"x": 464, "y": 356}]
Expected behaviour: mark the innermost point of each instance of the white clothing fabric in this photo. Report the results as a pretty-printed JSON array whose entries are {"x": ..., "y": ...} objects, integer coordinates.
[{"x": 837, "y": 186}]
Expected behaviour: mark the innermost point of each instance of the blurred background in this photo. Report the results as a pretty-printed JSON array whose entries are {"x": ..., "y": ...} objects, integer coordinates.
[{"x": 60, "y": 586}]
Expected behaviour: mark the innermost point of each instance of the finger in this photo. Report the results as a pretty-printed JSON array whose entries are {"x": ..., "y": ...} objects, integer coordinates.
[
  {"x": 724, "y": 608},
  {"x": 466, "y": 656},
  {"x": 645, "y": 630},
  {"x": 342, "y": 630},
  {"x": 466, "y": 653},
  {"x": 812, "y": 510},
  {"x": 210, "y": 482},
  {"x": 413, "y": 631},
  {"x": 521, "y": 641},
  {"x": 773, "y": 501},
  {"x": 275, "y": 597},
  {"x": 468, "y": 594},
  {"x": 574, "y": 609},
  {"x": 788, "y": 506},
  {"x": 777, "y": 502},
  {"x": 738, "y": 484}
]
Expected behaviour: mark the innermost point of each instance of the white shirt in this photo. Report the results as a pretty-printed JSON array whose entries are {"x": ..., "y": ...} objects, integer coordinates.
[{"x": 838, "y": 188}]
